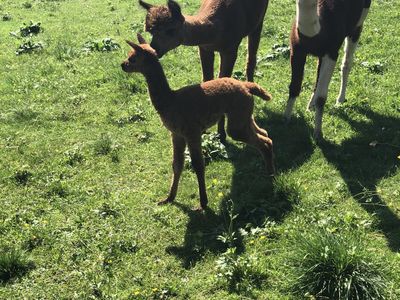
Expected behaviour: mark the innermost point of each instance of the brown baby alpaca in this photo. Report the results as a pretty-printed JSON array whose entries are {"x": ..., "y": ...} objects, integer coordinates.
[
  {"x": 218, "y": 26},
  {"x": 189, "y": 111}
]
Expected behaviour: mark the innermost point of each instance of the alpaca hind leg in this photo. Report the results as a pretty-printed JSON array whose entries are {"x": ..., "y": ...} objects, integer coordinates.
[
  {"x": 349, "y": 50},
  {"x": 194, "y": 145},
  {"x": 247, "y": 134},
  {"x": 327, "y": 66},
  {"x": 179, "y": 146}
]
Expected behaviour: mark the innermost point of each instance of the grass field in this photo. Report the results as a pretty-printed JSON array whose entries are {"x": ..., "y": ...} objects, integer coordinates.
[{"x": 84, "y": 158}]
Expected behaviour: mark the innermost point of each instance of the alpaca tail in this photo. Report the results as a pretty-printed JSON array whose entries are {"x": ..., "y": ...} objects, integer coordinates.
[{"x": 257, "y": 90}]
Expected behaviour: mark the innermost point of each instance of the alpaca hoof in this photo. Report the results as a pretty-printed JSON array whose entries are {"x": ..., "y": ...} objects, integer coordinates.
[
  {"x": 340, "y": 101},
  {"x": 166, "y": 201},
  {"x": 311, "y": 106},
  {"x": 199, "y": 209}
]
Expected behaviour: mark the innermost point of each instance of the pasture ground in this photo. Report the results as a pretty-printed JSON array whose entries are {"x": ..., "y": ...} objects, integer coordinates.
[{"x": 84, "y": 159}]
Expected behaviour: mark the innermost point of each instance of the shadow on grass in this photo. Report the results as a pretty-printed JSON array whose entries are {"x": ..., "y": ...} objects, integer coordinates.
[
  {"x": 255, "y": 196},
  {"x": 362, "y": 166}
]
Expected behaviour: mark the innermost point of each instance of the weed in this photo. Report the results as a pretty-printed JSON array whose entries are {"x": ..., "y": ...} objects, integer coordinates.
[
  {"x": 144, "y": 136},
  {"x": 74, "y": 156},
  {"x": 64, "y": 52},
  {"x": 137, "y": 116},
  {"x": 335, "y": 266},
  {"x": 278, "y": 50},
  {"x": 57, "y": 188},
  {"x": 374, "y": 67},
  {"x": 13, "y": 263},
  {"x": 239, "y": 274},
  {"x": 229, "y": 235},
  {"x": 107, "y": 211},
  {"x": 27, "y": 5},
  {"x": 103, "y": 145},
  {"x": 29, "y": 47},
  {"x": 6, "y": 17},
  {"x": 22, "y": 176},
  {"x": 30, "y": 29},
  {"x": 105, "y": 45},
  {"x": 212, "y": 149}
]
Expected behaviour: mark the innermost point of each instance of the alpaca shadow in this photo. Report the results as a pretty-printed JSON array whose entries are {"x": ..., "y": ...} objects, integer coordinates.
[
  {"x": 362, "y": 165},
  {"x": 254, "y": 197}
]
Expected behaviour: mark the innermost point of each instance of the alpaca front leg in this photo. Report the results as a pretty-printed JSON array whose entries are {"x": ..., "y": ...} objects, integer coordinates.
[
  {"x": 252, "y": 48},
  {"x": 196, "y": 156},
  {"x": 207, "y": 64},
  {"x": 179, "y": 146},
  {"x": 327, "y": 66},
  {"x": 297, "y": 62}
]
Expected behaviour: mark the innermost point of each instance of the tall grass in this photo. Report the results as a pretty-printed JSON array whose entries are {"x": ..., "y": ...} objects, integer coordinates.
[{"x": 333, "y": 266}]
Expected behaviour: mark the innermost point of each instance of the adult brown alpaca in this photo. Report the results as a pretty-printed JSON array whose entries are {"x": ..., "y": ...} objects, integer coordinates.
[
  {"x": 189, "y": 111},
  {"x": 218, "y": 26},
  {"x": 320, "y": 28}
]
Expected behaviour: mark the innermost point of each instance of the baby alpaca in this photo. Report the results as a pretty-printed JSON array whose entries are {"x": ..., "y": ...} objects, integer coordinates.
[
  {"x": 189, "y": 111},
  {"x": 321, "y": 27},
  {"x": 218, "y": 26}
]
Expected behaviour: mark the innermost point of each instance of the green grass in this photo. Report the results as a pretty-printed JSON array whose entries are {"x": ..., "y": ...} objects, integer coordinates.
[
  {"x": 84, "y": 159},
  {"x": 337, "y": 266}
]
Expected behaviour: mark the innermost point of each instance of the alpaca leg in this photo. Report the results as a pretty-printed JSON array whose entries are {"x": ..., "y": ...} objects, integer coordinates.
[
  {"x": 252, "y": 48},
  {"x": 259, "y": 130},
  {"x": 196, "y": 155},
  {"x": 297, "y": 61},
  {"x": 179, "y": 146},
  {"x": 321, "y": 92},
  {"x": 350, "y": 48},
  {"x": 226, "y": 68},
  {"x": 207, "y": 64},
  {"x": 311, "y": 103},
  {"x": 246, "y": 133}
]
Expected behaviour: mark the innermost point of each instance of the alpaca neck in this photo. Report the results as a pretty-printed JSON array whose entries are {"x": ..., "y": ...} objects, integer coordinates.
[
  {"x": 158, "y": 86},
  {"x": 198, "y": 31},
  {"x": 307, "y": 19}
]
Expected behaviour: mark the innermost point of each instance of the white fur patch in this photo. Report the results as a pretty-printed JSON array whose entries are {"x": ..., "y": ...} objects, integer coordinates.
[
  {"x": 349, "y": 49},
  {"x": 307, "y": 20},
  {"x": 325, "y": 76},
  {"x": 289, "y": 108}
]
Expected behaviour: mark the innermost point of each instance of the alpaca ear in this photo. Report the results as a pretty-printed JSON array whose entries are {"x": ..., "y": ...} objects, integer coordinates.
[
  {"x": 145, "y": 5},
  {"x": 141, "y": 39},
  {"x": 174, "y": 8},
  {"x": 134, "y": 46}
]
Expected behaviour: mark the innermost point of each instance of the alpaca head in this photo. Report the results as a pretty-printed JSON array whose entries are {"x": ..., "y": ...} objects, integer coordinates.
[
  {"x": 165, "y": 23},
  {"x": 140, "y": 57}
]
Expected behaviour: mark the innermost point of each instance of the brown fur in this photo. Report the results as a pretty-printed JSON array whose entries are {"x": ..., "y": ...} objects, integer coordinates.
[
  {"x": 189, "y": 111},
  {"x": 219, "y": 25}
]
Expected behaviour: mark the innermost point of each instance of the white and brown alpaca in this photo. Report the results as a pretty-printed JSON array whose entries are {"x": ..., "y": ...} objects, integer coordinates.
[
  {"x": 189, "y": 111},
  {"x": 218, "y": 26},
  {"x": 320, "y": 28}
]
